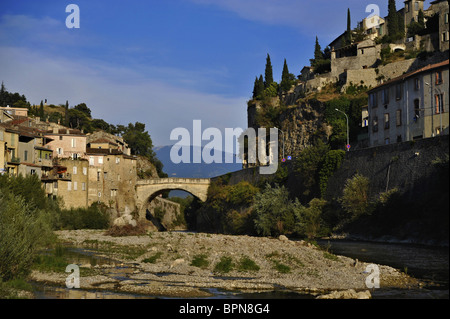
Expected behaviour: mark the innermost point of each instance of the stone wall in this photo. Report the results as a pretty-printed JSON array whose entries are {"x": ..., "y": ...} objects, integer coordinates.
[{"x": 406, "y": 166}]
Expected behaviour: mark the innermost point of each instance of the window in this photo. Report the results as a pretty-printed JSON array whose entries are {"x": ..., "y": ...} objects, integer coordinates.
[
  {"x": 60, "y": 137},
  {"x": 407, "y": 6},
  {"x": 386, "y": 141},
  {"x": 69, "y": 186},
  {"x": 398, "y": 117},
  {"x": 84, "y": 170},
  {"x": 439, "y": 104},
  {"x": 373, "y": 100},
  {"x": 83, "y": 186},
  {"x": 117, "y": 160},
  {"x": 446, "y": 18},
  {"x": 25, "y": 156},
  {"x": 33, "y": 172},
  {"x": 113, "y": 192},
  {"x": 91, "y": 160},
  {"x": 105, "y": 175},
  {"x": 385, "y": 96},
  {"x": 375, "y": 124},
  {"x": 386, "y": 121},
  {"x": 73, "y": 142},
  {"x": 75, "y": 170},
  {"x": 416, "y": 84},
  {"x": 98, "y": 176},
  {"x": 100, "y": 160},
  {"x": 59, "y": 151},
  {"x": 398, "y": 91},
  {"x": 439, "y": 77},
  {"x": 444, "y": 36},
  {"x": 416, "y": 108},
  {"x": 75, "y": 186},
  {"x": 416, "y": 6}
]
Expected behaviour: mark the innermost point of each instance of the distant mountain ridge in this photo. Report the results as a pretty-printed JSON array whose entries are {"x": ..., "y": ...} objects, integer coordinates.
[{"x": 195, "y": 170}]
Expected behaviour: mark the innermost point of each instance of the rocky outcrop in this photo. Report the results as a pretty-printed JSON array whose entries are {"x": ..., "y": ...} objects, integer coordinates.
[{"x": 347, "y": 294}]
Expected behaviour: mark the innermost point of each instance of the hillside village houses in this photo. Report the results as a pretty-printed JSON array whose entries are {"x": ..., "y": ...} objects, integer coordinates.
[
  {"x": 79, "y": 168},
  {"x": 408, "y": 98},
  {"x": 412, "y": 106}
]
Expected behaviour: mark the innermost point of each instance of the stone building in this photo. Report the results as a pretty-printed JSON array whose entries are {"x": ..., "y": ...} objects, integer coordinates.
[
  {"x": 67, "y": 143},
  {"x": 10, "y": 142},
  {"x": 112, "y": 179},
  {"x": 409, "y": 107},
  {"x": 69, "y": 181}
]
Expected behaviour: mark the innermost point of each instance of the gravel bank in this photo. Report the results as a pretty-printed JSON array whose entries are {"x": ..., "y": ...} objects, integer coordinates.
[{"x": 257, "y": 264}]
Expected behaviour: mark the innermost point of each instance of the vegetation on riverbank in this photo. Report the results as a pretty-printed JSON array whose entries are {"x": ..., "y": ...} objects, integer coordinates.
[{"x": 27, "y": 221}]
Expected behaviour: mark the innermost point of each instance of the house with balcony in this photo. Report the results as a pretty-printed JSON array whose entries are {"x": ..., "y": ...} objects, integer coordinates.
[
  {"x": 10, "y": 142},
  {"x": 409, "y": 107}
]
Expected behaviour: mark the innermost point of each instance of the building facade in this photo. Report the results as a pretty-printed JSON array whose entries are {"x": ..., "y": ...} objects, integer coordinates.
[{"x": 412, "y": 106}]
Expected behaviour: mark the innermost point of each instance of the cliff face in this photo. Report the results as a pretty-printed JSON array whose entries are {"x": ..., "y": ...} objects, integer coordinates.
[{"x": 302, "y": 122}]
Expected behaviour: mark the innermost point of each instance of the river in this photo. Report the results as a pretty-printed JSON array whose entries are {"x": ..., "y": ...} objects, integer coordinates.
[
  {"x": 422, "y": 262},
  {"x": 430, "y": 264}
]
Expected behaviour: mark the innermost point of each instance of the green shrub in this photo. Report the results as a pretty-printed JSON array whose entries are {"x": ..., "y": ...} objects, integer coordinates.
[
  {"x": 355, "y": 198},
  {"x": 23, "y": 230},
  {"x": 275, "y": 212},
  {"x": 224, "y": 265},
  {"x": 247, "y": 264},
  {"x": 93, "y": 217},
  {"x": 330, "y": 164},
  {"x": 200, "y": 261},
  {"x": 309, "y": 219},
  {"x": 152, "y": 259}
]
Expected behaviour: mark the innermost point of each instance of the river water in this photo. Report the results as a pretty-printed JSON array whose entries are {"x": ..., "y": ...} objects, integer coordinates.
[
  {"x": 422, "y": 262},
  {"x": 427, "y": 263}
]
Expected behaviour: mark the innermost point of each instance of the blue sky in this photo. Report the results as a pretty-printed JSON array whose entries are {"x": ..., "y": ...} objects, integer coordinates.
[{"x": 162, "y": 62}]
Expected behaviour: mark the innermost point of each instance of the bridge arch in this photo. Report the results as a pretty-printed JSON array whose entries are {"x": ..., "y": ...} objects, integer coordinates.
[{"x": 147, "y": 190}]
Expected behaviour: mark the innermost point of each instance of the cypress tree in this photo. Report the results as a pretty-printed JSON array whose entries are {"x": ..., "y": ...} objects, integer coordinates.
[
  {"x": 285, "y": 84},
  {"x": 349, "y": 28},
  {"x": 395, "y": 21},
  {"x": 318, "y": 54},
  {"x": 268, "y": 73},
  {"x": 258, "y": 87},
  {"x": 41, "y": 110}
]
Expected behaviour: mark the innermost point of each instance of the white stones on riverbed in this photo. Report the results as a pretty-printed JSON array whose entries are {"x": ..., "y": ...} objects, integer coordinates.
[{"x": 171, "y": 272}]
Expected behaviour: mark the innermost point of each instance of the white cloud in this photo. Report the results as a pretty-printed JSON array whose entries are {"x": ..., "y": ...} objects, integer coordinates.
[{"x": 119, "y": 95}]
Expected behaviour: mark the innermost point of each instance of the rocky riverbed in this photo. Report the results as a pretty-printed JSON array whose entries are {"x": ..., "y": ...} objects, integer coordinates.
[{"x": 179, "y": 264}]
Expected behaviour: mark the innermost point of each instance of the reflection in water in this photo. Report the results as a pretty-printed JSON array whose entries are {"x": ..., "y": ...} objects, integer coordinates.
[{"x": 423, "y": 262}]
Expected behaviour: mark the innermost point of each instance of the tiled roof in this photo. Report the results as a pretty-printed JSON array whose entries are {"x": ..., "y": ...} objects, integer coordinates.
[{"x": 413, "y": 73}]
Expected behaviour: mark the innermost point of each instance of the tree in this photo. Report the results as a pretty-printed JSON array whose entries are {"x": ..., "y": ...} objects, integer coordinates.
[
  {"x": 258, "y": 87},
  {"x": 41, "y": 110},
  {"x": 318, "y": 54},
  {"x": 355, "y": 197},
  {"x": 417, "y": 27},
  {"x": 275, "y": 212},
  {"x": 395, "y": 22},
  {"x": 286, "y": 78},
  {"x": 268, "y": 73},
  {"x": 82, "y": 107},
  {"x": 349, "y": 28}
]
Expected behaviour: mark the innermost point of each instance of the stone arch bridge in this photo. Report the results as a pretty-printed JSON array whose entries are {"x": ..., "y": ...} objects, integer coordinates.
[{"x": 147, "y": 190}]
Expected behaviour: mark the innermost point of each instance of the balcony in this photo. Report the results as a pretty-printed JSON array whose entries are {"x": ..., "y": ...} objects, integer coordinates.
[
  {"x": 13, "y": 160},
  {"x": 56, "y": 177}
]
